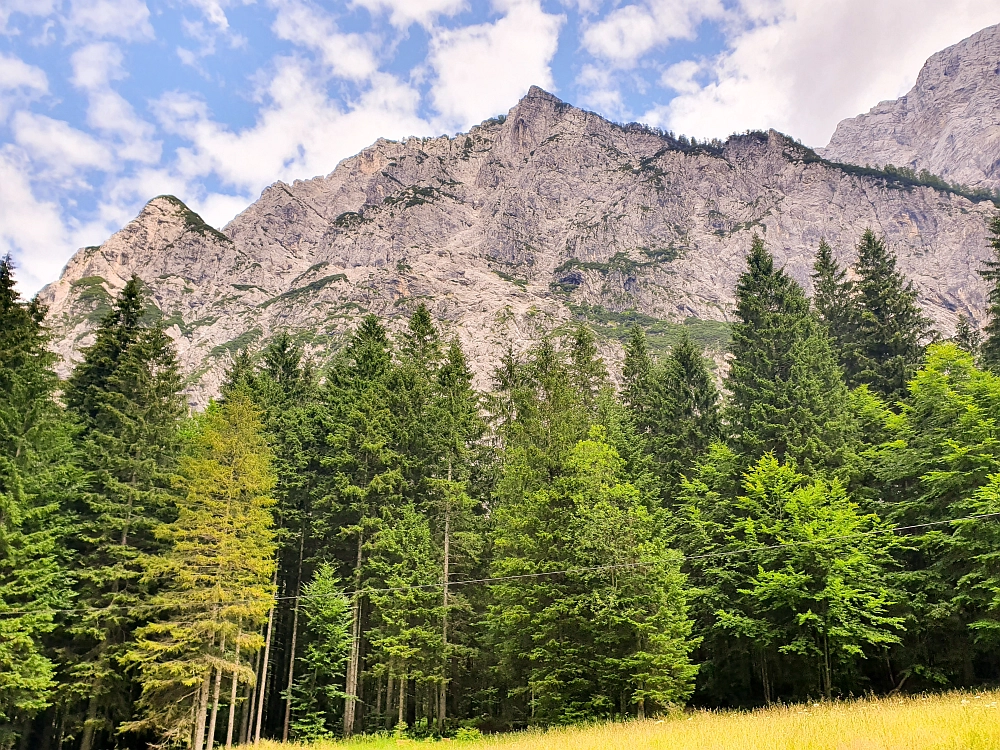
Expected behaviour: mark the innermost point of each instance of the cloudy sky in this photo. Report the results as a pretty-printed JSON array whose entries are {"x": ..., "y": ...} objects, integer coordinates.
[{"x": 107, "y": 103}]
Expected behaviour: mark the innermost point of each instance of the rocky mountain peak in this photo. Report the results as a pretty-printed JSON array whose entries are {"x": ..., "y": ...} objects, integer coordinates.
[{"x": 948, "y": 124}]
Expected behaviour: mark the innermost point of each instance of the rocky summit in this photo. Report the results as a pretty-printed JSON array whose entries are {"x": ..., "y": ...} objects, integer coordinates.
[
  {"x": 948, "y": 124},
  {"x": 525, "y": 222}
]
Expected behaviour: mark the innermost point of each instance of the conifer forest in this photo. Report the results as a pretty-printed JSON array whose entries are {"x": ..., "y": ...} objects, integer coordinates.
[{"x": 367, "y": 543}]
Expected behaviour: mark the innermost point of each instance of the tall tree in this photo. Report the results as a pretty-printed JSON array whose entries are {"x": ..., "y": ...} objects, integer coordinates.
[
  {"x": 38, "y": 478},
  {"x": 990, "y": 272},
  {"x": 126, "y": 395},
  {"x": 886, "y": 345},
  {"x": 636, "y": 372},
  {"x": 214, "y": 577},
  {"x": 684, "y": 411},
  {"x": 787, "y": 393},
  {"x": 832, "y": 293}
]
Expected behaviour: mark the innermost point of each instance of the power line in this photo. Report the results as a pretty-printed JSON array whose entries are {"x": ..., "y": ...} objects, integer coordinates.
[{"x": 112, "y": 610}]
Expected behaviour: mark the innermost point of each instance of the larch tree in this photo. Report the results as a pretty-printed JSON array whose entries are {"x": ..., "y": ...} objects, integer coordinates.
[{"x": 214, "y": 578}]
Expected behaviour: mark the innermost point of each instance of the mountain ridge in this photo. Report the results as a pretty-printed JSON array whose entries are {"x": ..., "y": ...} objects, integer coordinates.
[{"x": 527, "y": 221}]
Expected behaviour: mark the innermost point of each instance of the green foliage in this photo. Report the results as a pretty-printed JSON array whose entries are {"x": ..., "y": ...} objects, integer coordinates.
[{"x": 990, "y": 273}]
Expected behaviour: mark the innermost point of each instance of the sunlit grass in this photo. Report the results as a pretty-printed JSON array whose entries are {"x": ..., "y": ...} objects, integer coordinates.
[{"x": 954, "y": 721}]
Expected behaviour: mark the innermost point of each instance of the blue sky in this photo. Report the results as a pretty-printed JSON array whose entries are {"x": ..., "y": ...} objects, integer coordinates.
[{"x": 107, "y": 103}]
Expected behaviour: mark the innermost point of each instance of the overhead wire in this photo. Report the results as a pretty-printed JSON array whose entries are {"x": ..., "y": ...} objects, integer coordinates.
[{"x": 112, "y": 610}]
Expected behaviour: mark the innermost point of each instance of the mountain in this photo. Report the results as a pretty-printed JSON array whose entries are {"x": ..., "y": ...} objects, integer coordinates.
[
  {"x": 948, "y": 124},
  {"x": 527, "y": 221}
]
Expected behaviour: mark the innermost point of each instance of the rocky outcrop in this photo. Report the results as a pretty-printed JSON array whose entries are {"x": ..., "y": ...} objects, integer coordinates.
[
  {"x": 525, "y": 222},
  {"x": 948, "y": 124}
]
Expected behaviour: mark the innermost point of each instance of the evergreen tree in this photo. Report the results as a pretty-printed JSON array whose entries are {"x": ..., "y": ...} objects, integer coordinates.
[
  {"x": 685, "y": 411},
  {"x": 966, "y": 337},
  {"x": 990, "y": 272},
  {"x": 126, "y": 395},
  {"x": 787, "y": 393},
  {"x": 636, "y": 372},
  {"x": 215, "y": 578},
  {"x": 38, "y": 477},
  {"x": 885, "y": 348},
  {"x": 832, "y": 293},
  {"x": 586, "y": 368}
]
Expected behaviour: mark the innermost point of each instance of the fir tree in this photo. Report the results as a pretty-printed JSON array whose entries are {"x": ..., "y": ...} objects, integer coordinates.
[
  {"x": 38, "y": 478},
  {"x": 636, "y": 372},
  {"x": 126, "y": 396},
  {"x": 886, "y": 345},
  {"x": 966, "y": 337},
  {"x": 832, "y": 292},
  {"x": 586, "y": 368},
  {"x": 990, "y": 272},
  {"x": 685, "y": 411},
  {"x": 787, "y": 393}
]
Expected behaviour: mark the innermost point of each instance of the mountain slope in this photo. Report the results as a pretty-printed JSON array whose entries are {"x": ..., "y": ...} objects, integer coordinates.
[
  {"x": 948, "y": 124},
  {"x": 524, "y": 222}
]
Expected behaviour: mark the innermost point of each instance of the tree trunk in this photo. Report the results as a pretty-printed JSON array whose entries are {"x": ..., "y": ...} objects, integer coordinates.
[
  {"x": 641, "y": 708},
  {"x": 351, "y": 683},
  {"x": 295, "y": 632},
  {"x": 87, "y": 742},
  {"x": 215, "y": 698},
  {"x": 401, "y": 721},
  {"x": 827, "y": 668},
  {"x": 232, "y": 698},
  {"x": 443, "y": 694},
  {"x": 199, "y": 724},
  {"x": 249, "y": 693},
  {"x": 263, "y": 669},
  {"x": 389, "y": 695}
]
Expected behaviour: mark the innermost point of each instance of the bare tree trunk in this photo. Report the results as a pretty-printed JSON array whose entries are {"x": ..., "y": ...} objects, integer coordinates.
[
  {"x": 295, "y": 633},
  {"x": 87, "y": 742},
  {"x": 351, "y": 684},
  {"x": 443, "y": 695},
  {"x": 232, "y": 697},
  {"x": 263, "y": 668},
  {"x": 215, "y": 698},
  {"x": 401, "y": 721},
  {"x": 248, "y": 703},
  {"x": 389, "y": 695},
  {"x": 199, "y": 724}
]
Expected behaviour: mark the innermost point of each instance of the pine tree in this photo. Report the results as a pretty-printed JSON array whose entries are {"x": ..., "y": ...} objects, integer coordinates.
[
  {"x": 990, "y": 273},
  {"x": 787, "y": 392},
  {"x": 126, "y": 395},
  {"x": 215, "y": 577},
  {"x": 832, "y": 292},
  {"x": 685, "y": 411},
  {"x": 38, "y": 478},
  {"x": 966, "y": 337},
  {"x": 885, "y": 348}
]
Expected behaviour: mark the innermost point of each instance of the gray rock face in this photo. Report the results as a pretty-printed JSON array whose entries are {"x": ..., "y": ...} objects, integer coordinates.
[
  {"x": 948, "y": 124},
  {"x": 515, "y": 227}
]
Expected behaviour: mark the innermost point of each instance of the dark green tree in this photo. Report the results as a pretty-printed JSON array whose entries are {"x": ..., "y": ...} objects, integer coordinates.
[
  {"x": 990, "y": 272},
  {"x": 887, "y": 343},
  {"x": 126, "y": 396},
  {"x": 38, "y": 480},
  {"x": 832, "y": 292},
  {"x": 787, "y": 393},
  {"x": 966, "y": 337}
]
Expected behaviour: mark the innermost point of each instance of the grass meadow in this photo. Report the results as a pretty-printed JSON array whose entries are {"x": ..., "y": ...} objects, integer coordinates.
[{"x": 953, "y": 721}]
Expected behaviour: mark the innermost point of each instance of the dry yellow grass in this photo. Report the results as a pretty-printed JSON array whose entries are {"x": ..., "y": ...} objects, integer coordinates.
[{"x": 954, "y": 721}]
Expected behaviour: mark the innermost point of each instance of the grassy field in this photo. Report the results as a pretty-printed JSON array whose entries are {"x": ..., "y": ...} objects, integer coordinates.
[{"x": 955, "y": 721}]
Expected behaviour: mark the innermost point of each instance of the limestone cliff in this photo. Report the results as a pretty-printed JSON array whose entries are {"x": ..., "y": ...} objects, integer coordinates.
[
  {"x": 525, "y": 222},
  {"x": 948, "y": 124}
]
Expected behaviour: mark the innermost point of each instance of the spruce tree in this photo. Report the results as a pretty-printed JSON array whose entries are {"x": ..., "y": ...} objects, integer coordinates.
[
  {"x": 966, "y": 337},
  {"x": 126, "y": 396},
  {"x": 684, "y": 411},
  {"x": 787, "y": 393},
  {"x": 886, "y": 346},
  {"x": 636, "y": 372},
  {"x": 990, "y": 273},
  {"x": 38, "y": 481},
  {"x": 832, "y": 292},
  {"x": 587, "y": 371}
]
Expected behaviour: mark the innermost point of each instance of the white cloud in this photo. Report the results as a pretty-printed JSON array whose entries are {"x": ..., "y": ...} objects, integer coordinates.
[
  {"x": 403, "y": 13},
  {"x": 482, "y": 70},
  {"x": 27, "y": 7},
  {"x": 59, "y": 145},
  {"x": 348, "y": 56},
  {"x": 299, "y": 132},
  {"x": 122, "y": 19},
  {"x": 801, "y": 66},
  {"x": 19, "y": 83},
  {"x": 94, "y": 68},
  {"x": 31, "y": 230},
  {"x": 629, "y": 32}
]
